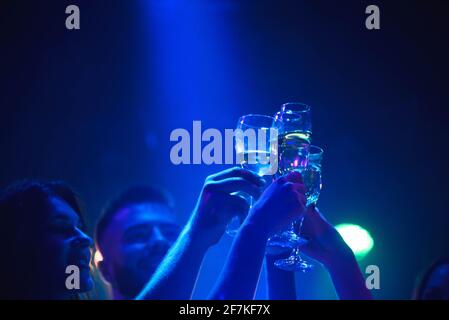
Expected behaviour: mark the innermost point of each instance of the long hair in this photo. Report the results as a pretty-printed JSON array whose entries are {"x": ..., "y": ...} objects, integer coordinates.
[{"x": 23, "y": 205}]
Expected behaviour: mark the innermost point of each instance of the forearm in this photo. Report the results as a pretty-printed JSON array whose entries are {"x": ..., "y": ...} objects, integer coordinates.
[
  {"x": 240, "y": 275},
  {"x": 281, "y": 284},
  {"x": 176, "y": 276},
  {"x": 348, "y": 280}
]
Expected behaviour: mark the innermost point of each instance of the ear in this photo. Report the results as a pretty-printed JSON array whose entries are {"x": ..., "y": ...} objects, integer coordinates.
[{"x": 105, "y": 271}]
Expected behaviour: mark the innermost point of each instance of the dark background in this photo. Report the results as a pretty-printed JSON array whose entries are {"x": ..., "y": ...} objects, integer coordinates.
[{"x": 96, "y": 106}]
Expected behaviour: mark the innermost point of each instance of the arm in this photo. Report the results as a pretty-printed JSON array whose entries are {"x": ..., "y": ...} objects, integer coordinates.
[
  {"x": 240, "y": 275},
  {"x": 176, "y": 276},
  {"x": 328, "y": 247},
  {"x": 281, "y": 284},
  {"x": 282, "y": 202},
  {"x": 348, "y": 279}
]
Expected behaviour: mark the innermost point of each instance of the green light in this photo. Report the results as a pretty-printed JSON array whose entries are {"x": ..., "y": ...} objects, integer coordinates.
[{"x": 357, "y": 238}]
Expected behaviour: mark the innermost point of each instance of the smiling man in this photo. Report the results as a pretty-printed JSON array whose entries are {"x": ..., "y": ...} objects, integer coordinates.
[{"x": 133, "y": 235}]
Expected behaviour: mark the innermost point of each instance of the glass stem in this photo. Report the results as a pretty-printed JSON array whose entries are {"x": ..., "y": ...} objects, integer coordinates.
[
  {"x": 296, "y": 253},
  {"x": 297, "y": 226}
]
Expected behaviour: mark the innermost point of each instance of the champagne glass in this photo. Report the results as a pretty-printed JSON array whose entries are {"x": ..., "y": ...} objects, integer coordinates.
[
  {"x": 294, "y": 126},
  {"x": 313, "y": 183},
  {"x": 256, "y": 150}
]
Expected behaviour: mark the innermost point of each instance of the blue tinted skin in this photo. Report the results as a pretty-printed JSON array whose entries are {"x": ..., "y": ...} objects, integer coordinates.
[
  {"x": 62, "y": 243},
  {"x": 177, "y": 274},
  {"x": 282, "y": 202},
  {"x": 133, "y": 245},
  {"x": 437, "y": 286},
  {"x": 325, "y": 246},
  {"x": 328, "y": 247},
  {"x": 281, "y": 284}
]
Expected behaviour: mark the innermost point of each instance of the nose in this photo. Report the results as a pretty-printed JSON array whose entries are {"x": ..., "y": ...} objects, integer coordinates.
[
  {"x": 83, "y": 240},
  {"x": 158, "y": 235},
  {"x": 158, "y": 239}
]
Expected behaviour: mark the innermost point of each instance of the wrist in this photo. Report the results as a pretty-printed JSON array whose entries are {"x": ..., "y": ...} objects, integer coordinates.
[
  {"x": 256, "y": 221},
  {"x": 275, "y": 253},
  {"x": 253, "y": 228},
  {"x": 197, "y": 236},
  {"x": 272, "y": 258},
  {"x": 343, "y": 259}
]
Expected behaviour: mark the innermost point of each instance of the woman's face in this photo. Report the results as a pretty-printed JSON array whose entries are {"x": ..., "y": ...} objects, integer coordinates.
[{"x": 64, "y": 249}]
